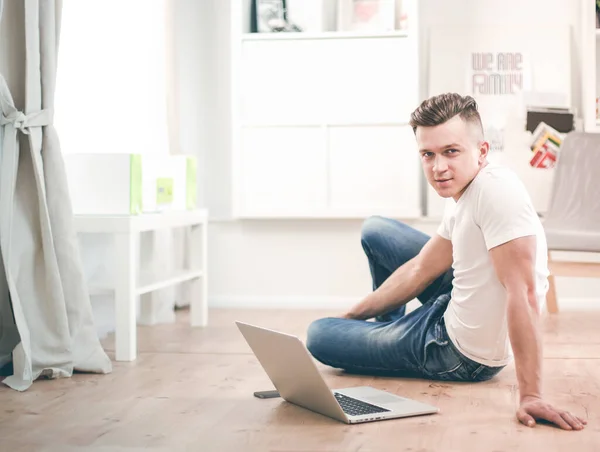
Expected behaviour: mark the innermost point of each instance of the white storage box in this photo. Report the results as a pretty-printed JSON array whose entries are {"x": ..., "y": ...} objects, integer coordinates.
[{"x": 130, "y": 184}]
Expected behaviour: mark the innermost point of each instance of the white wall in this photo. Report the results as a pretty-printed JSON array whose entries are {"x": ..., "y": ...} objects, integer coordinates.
[
  {"x": 110, "y": 88},
  {"x": 199, "y": 52},
  {"x": 321, "y": 263}
]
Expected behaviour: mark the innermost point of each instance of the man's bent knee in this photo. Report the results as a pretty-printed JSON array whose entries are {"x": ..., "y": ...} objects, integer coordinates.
[
  {"x": 316, "y": 336},
  {"x": 372, "y": 228}
]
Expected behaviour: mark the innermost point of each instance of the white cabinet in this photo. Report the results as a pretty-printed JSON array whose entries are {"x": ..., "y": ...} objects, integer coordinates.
[
  {"x": 338, "y": 171},
  {"x": 284, "y": 171},
  {"x": 320, "y": 123},
  {"x": 325, "y": 81}
]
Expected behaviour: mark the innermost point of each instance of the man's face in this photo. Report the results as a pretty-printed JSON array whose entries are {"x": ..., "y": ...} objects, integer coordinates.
[{"x": 451, "y": 154}]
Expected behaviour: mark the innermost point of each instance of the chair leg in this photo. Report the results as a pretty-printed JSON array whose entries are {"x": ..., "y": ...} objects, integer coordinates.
[{"x": 551, "y": 302}]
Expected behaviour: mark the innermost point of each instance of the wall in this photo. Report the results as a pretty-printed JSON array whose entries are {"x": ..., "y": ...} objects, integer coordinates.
[
  {"x": 199, "y": 48},
  {"x": 111, "y": 85},
  {"x": 320, "y": 263}
]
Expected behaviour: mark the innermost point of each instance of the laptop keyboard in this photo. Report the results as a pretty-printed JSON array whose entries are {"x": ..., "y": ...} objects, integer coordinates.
[{"x": 354, "y": 407}]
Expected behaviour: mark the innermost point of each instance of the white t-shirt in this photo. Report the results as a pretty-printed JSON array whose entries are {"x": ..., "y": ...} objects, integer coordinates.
[{"x": 494, "y": 209}]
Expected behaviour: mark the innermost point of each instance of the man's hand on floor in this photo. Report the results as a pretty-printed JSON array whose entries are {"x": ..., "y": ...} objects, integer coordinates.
[
  {"x": 534, "y": 408},
  {"x": 351, "y": 315},
  {"x": 363, "y": 310}
]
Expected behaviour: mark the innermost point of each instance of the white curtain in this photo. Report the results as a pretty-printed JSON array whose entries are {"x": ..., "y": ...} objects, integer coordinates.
[{"x": 44, "y": 296}]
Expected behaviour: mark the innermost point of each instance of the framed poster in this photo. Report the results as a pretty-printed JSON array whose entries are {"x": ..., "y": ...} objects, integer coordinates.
[
  {"x": 268, "y": 16},
  {"x": 366, "y": 15}
]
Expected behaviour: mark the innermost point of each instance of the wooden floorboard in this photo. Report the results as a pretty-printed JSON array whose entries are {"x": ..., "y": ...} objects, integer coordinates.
[{"x": 191, "y": 389}]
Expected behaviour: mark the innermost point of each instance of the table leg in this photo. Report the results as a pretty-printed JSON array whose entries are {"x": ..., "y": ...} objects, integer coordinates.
[
  {"x": 125, "y": 297},
  {"x": 197, "y": 258}
]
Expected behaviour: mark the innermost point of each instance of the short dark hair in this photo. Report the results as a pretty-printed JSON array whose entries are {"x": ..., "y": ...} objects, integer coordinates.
[{"x": 438, "y": 109}]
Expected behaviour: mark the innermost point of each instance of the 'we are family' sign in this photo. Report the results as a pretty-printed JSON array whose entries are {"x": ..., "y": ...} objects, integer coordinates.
[{"x": 497, "y": 74}]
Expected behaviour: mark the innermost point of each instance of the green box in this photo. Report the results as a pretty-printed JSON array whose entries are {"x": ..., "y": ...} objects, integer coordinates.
[{"x": 164, "y": 190}]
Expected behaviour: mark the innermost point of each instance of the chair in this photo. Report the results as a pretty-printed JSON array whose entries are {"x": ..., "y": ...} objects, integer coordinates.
[{"x": 572, "y": 222}]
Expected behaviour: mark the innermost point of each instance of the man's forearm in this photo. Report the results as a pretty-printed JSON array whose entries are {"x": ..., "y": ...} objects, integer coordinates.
[
  {"x": 526, "y": 341},
  {"x": 402, "y": 286}
]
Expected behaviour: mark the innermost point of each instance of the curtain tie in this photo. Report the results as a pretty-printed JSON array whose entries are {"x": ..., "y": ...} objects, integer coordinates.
[{"x": 23, "y": 122}]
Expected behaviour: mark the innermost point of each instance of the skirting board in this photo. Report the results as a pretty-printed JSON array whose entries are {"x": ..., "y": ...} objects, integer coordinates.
[
  {"x": 342, "y": 303},
  {"x": 286, "y": 302}
]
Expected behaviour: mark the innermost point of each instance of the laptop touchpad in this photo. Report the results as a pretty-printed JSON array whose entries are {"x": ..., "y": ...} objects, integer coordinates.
[{"x": 383, "y": 399}]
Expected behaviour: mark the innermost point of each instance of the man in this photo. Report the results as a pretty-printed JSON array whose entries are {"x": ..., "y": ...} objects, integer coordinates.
[{"x": 481, "y": 279}]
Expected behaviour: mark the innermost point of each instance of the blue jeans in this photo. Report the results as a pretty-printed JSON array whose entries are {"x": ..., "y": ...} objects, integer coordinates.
[{"x": 396, "y": 344}]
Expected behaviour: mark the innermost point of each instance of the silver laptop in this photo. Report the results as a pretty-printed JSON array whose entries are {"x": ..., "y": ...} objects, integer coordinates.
[{"x": 294, "y": 374}]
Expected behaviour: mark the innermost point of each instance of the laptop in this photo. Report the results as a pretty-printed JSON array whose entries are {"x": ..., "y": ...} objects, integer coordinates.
[{"x": 294, "y": 374}]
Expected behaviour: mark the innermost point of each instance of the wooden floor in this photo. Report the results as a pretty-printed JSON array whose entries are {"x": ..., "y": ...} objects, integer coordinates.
[{"x": 191, "y": 389}]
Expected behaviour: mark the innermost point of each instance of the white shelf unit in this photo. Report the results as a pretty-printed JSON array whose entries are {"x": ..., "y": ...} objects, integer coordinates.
[
  {"x": 322, "y": 35},
  {"x": 590, "y": 65},
  {"x": 320, "y": 122},
  {"x": 131, "y": 283}
]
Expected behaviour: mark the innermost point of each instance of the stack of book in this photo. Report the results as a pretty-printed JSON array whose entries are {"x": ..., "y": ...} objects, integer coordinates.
[{"x": 545, "y": 145}]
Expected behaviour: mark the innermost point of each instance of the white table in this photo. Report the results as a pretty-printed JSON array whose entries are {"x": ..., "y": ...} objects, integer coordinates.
[{"x": 129, "y": 285}]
